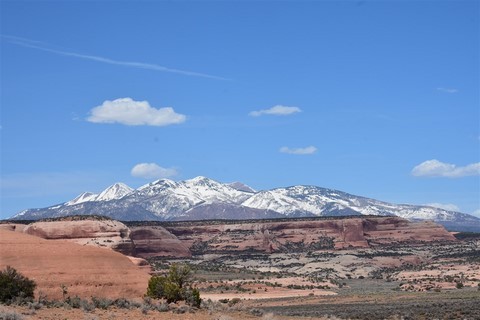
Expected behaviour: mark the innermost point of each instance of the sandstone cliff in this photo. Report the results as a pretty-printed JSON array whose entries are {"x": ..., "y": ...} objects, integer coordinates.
[
  {"x": 102, "y": 233},
  {"x": 184, "y": 238}
]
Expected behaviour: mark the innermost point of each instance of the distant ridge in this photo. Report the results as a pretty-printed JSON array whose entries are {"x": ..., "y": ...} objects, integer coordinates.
[{"x": 202, "y": 198}]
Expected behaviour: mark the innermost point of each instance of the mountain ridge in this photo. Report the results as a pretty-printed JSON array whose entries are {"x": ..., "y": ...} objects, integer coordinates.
[{"x": 204, "y": 198}]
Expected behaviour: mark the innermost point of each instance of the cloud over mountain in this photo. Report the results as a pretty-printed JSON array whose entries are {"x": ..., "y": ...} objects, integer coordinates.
[
  {"x": 435, "y": 168},
  {"x": 152, "y": 171},
  {"x": 134, "y": 113}
]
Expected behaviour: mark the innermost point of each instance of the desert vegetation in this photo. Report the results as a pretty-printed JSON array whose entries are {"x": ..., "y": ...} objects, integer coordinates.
[{"x": 15, "y": 287}]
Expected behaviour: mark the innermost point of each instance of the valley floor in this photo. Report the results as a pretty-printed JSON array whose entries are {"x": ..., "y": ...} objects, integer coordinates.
[{"x": 451, "y": 304}]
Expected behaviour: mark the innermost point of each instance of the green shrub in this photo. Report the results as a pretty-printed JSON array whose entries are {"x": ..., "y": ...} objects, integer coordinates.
[
  {"x": 14, "y": 285},
  {"x": 174, "y": 287},
  {"x": 156, "y": 287},
  {"x": 192, "y": 297}
]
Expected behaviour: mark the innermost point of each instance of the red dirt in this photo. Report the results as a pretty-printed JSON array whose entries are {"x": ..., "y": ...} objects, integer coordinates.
[{"x": 85, "y": 270}]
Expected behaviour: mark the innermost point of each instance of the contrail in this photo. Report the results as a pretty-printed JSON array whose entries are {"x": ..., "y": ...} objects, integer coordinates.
[{"x": 140, "y": 65}]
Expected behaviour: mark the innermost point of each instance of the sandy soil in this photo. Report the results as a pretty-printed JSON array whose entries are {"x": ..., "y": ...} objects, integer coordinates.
[
  {"x": 85, "y": 270},
  {"x": 111, "y": 314},
  {"x": 272, "y": 293}
]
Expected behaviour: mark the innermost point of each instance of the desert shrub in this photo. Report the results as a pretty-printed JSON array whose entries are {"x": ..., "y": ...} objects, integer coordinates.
[
  {"x": 6, "y": 315},
  {"x": 459, "y": 285},
  {"x": 35, "y": 305},
  {"x": 156, "y": 287},
  {"x": 15, "y": 285},
  {"x": 163, "y": 307},
  {"x": 122, "y": 303},
  {"x": 78, "y": 303},
  {"x": 182, "y": 309},
  {"x": 174, "y": 287},
  {"x": 172, "y": 292},
  {"x": 87, "y": 306},
  {"x": 145, "y": 308},
  {"x": 101, "y": 303},
  {"x": 192, "y": 297},
  {"x": 256, "y": 312}
]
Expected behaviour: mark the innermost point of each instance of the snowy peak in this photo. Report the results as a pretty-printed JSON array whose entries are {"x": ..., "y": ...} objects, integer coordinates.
[
  {"x": 115, "y": 191},
  {"x": 83, "y": 197},
  {"x": 211, "y": 191},
  {"x": 204, "y": 198}
]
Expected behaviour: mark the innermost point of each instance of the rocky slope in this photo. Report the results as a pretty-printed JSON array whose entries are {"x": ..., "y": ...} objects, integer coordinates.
[
  {"x": 202, "y": 198},
  {"x": 86, "y": 271},
  {"x": 103, "y": 233}
]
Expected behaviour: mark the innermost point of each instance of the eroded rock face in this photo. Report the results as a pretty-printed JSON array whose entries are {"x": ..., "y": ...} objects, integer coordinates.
[
  {"x": 102, "y": 233},
  {"x": 154, "y": 241},
  {"x": 303, "y": 235},
  {"x": 184, "y": 239},
  {"x": 390, "y": 230}
]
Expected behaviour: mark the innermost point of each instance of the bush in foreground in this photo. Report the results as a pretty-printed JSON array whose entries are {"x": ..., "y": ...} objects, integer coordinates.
[
  {"x": 175, "y": 286},
  {"x": 14, "y": 285}
]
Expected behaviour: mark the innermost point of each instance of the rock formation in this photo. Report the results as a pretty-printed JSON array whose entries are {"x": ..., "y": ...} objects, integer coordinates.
[
  {"x": 300, "y": 235},
  {"x": 86, "y": 271},
  {"x": 102, "y": 233},
  {"x": 151, "y": 241}
]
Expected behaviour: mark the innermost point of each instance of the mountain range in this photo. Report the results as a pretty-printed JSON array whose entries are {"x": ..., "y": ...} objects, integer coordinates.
[{"x": 203, "y": 198}]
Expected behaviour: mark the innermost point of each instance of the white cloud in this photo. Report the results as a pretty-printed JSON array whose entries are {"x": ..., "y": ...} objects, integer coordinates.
[
  {"x": 476, "y": 213},
  {"x": 277, "y": 110},
  {"x": 302, "y": 151},
  {"x": 140, "y": 65},
  {"x": 444, "y": 206},
  {"x": 448, "y": 90},
  {"x": 152, "y": 171},
  {"x": 134, "y": 113},
  {"x": 435, "y": 168}
]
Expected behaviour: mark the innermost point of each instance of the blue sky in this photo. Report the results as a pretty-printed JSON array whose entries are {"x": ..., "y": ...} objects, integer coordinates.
[{"x": 374, "y": 98}]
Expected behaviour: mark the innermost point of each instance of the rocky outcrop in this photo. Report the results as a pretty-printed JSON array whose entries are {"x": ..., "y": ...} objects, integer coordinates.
[
  {"x": 186, "y": 239},
  {"x": 154, "y": 241},
  {"x": 85, "y": 271},
  {"x": 393, "y": 230},
  {"x": 302, "y": 235},
  {"x": 103, "y": 233}
]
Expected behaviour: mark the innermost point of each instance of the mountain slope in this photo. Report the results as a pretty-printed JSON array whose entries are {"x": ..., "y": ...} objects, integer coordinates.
[{"x": 204, "y": 198}]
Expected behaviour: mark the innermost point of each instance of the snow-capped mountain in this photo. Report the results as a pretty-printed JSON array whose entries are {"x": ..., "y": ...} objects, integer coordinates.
[
  {"x": 204, "y": 198},
  {"x": 115, "y": 191}
]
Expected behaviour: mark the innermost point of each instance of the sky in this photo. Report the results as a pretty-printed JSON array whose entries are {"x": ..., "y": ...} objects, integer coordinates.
[{"x": 375, "y": 98}]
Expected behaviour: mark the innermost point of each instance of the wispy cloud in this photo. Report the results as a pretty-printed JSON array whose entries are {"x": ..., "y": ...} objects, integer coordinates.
[
  {"x": 448, "y": 90},
  {"x": 444, "y": 206},
  {"x": 134, "y": 113},
  {"x": 277, "y": 110},
  {"x": 133, "y": 64},
  {"x": 435, "y": 168},
  {"x": 152, "y": 171},
  {"x": 300, "y": 151}
]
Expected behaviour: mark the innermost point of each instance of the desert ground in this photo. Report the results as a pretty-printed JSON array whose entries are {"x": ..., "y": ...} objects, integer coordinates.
[{"x": 398, "y": 280}]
